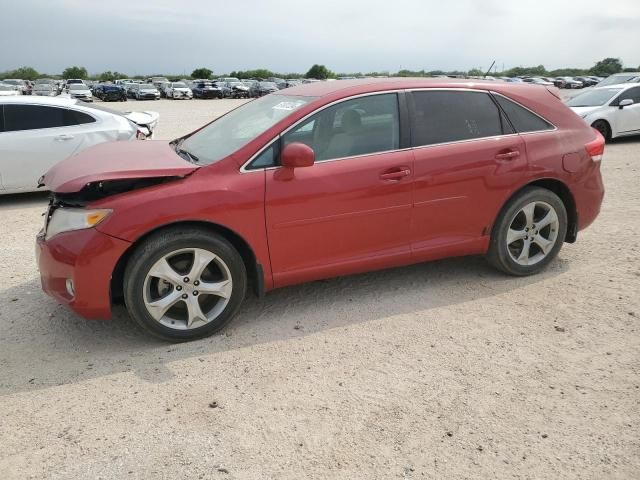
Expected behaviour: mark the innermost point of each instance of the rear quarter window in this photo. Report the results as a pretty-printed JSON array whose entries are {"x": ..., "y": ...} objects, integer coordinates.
[{"x": 523, "y": 120}]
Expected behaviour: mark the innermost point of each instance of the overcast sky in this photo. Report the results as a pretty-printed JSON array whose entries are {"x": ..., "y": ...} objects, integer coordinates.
[{"x": 176, "y": 36}]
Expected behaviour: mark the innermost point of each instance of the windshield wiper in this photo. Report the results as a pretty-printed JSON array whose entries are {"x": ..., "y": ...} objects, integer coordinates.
[
  {"x": 189, "y": 156},
  {"x": 184, "y": 153}
]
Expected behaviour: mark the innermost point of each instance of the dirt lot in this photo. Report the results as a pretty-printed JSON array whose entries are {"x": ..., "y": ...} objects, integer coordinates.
[{"x": 439, "y": 370}]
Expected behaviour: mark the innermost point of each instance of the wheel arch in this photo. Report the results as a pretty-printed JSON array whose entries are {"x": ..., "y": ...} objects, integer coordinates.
[
  {"x": 608, "y": 123},
  {"x": 254, "y": 269},
  {"x": 561, "y": 190}
]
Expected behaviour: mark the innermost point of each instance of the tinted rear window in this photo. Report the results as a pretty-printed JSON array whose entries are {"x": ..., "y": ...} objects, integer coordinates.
[
  {"x": 448, "y": 116},
  {"x": 522, "y": 119},
  {"x": 32, "y": 117}
]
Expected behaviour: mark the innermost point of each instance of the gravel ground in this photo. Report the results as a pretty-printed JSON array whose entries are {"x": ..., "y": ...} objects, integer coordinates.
[{"x": 439, "y": 370}]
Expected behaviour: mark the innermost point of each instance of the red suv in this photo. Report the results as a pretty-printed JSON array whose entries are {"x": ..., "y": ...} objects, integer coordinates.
[{"x": 316, "y": 181}]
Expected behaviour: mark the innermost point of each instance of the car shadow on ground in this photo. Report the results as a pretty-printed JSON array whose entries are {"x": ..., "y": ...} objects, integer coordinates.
[{"x": 44, "y": 344}]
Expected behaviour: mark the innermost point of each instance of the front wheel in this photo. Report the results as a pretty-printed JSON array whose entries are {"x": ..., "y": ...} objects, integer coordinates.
[
  {"x": 528, "y": 233},
  {"x": 185, "y": 284}
]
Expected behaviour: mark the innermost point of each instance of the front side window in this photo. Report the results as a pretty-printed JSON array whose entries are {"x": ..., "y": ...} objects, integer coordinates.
[
  {"x": 360, "y": 126},
  {"x": 632, "y": 93},
  {"x": 240, "y": 126},
  {"x": 522, "y": 119},
  {"x": 442, "y": 116}
]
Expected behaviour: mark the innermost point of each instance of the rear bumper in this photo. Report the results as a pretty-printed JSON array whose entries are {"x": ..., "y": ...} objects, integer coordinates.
[
  {"x": 588, "y": 196},
  {"x": 87, "y": 258}
]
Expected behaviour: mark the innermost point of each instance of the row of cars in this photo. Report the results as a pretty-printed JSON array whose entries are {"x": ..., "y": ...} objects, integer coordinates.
[{"x": 226, "y": 87}]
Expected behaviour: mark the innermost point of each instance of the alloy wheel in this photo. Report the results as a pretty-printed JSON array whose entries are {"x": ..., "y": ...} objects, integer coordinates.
[
  {"x": 187, "y": 288},
  {"x": 532, "y": 234}
]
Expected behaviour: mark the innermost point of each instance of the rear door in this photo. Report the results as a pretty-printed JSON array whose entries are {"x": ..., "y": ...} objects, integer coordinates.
[
  {"x": 35, "y": 138},
  {"x": 351, "y": 210},
  {"x": 466, "y": 158}
]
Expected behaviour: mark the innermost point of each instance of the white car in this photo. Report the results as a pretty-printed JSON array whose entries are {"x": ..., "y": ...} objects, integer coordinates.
[
  {"x": 20, "y": 84},
  {"x": 38, "y": 132},
  {"x": 7, "y": 90},
  {"x": 78, "y": 91},
  {"x": 144, "y": 91},
  {"x": 177, "y": 90},
  {"x": 613, "y": 110}
]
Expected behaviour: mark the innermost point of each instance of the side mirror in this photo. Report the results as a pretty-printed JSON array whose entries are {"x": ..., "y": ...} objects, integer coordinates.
[
  {"x": 296, "y": 155},
  {"x": 625, "y": 103}
]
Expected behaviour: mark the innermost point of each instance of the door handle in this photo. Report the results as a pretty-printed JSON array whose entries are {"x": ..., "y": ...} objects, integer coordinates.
[
  {"x": 508, "y": 155},
  {"x": 64, "y": 137},
  {"x": 395, "y": 174}
]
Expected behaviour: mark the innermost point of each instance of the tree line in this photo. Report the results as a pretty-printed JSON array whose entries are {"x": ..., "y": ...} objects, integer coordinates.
[{"x": 602, "y": 68}]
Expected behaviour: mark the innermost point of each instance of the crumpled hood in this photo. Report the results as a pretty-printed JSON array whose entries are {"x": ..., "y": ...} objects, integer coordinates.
[{"x": 116, "y": 161}]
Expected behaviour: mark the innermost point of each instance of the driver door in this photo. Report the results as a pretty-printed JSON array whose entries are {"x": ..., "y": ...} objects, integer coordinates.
[{"x": 351, "y": 210}]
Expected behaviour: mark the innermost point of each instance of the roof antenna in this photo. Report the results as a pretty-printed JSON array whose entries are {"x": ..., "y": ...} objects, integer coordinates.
[{"x": 489, "y": 71}]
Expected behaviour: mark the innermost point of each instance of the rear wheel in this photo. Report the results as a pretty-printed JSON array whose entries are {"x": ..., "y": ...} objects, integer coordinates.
[
  {"x": 529, "y": 232},
  {"x": 184, "y": 284},
  {"x": 604, "y": 128}
]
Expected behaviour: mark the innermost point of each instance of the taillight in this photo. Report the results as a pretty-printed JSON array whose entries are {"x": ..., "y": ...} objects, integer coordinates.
[
  {"x": 140, "y": 135},
  {"x": 595, "y": 148}
]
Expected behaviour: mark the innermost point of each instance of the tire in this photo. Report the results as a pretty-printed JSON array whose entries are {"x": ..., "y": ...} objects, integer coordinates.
[
  {"x": 222, "y": 269},
  {"x": 529, "y": 250},
  {"x": 604, "y": 128}
]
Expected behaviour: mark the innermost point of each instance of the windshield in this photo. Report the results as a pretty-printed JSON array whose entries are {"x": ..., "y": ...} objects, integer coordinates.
[
  {"x": 179, "y": 85},
  {"x": 237, "y": 128},
  {"x": 43, "y": 86},
  {"x": 6, "y": 87},
  {"x": 593, "y": 98},
  {"x": 13, "y": 82},
  {"x": 77, "y": 86},
  {"x": 616, "y": 79},
  {"x": 268, "y": 84}
]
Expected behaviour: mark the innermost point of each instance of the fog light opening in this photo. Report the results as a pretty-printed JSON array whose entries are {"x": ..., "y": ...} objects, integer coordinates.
[{"x": 70, "y": 288}]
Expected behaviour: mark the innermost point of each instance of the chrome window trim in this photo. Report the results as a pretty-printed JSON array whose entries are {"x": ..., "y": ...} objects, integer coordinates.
[{"x": 243, "y": 168}]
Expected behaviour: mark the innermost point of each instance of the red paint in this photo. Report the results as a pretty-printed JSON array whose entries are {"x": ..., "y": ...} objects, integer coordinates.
[{"x": 330, "y": 218}]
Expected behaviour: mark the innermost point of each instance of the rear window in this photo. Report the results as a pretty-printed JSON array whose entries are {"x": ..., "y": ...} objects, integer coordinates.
[
  {"x": 449, "y": 116},
  {"x": 33, "y": 117},
  {"x": 523, "y": 120}
]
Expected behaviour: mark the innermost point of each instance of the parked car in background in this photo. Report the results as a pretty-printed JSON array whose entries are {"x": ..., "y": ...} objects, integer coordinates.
[
  {"x": 177, "y": 90},
  {"x": 586, "y": 81},
  {"x": 569, "y": 82},
  {"x": 537, "y": 81},
  {"x": 43, "y": 89},
  {"x": 225, "y": 90},
  {"x": 78, "y": 91},
  {"x": 157, "y": 80},
  {"x": 263, "y": 88},
  {"x": 236, "y": 89},
  {"x": 162, "y": 88},
  {"x": 38, "y": 132},
  {"x": 181, "y": 229},
  {"x": 618, "y": 78},
  {"x": 144, "y": 91},
  {"x": 249, "y": 83},
  {"x": 7, "y": 90},
  {"x": 72, "y": 81},
  {"x": 206, "y": 89},
  {"x": 20, "y": 84},
  {"x": 613, "y": 110},
  {"x": 110, "y": 92}
]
